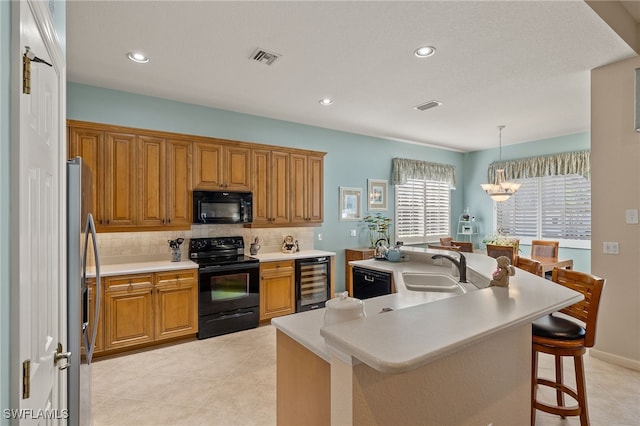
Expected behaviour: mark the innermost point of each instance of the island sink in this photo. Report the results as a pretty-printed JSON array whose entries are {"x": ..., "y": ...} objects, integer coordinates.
[{"x": 418, "y": 281}]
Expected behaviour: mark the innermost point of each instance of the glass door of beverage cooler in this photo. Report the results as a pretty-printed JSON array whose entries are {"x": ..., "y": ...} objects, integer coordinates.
[{"x": 313, "y": 283}]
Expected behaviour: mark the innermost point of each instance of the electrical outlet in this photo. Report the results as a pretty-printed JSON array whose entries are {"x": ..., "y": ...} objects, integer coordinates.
[
  {"x": 319, "y": 237},
  {"x": 632, "y": 216},
  {"x": 353, "y": 233},
  {"x": 610, "y": 247}
]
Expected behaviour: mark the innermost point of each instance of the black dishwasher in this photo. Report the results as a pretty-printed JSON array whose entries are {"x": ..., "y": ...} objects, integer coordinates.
[{"x": 369, "y": 283}]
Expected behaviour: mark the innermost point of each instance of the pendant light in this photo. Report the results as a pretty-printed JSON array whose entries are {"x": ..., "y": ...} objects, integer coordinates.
[{"x": 500, "y": 190}]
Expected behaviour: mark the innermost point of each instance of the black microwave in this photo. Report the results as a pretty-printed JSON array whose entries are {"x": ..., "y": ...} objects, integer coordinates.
[{"x": 222, "y": 207}]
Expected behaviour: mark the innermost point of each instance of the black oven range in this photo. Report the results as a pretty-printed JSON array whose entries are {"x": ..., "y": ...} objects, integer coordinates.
[{"x": 229, "y": 285}]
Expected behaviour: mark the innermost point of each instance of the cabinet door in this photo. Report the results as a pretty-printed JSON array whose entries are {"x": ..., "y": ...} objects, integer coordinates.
[
  {"x": 279, "y": 194},
  {"x": 261, "y": 186},
  {"x": 270, "y": 186},
  {"x": 128, "y": 311},
  {"x": 298, "y": 188},
  {"x": 207, "y": 167},
  {"x": 176, "y": 304},
  {"x": 277, "y": 291},
  {"x": 120, "y": 180},
  {"x": 237, "y": 168},
  {"x": 152, "y": 188},
  {"x": 315, "y": 178},
  {"x": 179, "y": 203},
  {"x": 89, "y": 144}
]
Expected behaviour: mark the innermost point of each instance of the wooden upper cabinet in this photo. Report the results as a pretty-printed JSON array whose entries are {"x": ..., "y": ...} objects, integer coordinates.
[
  {"x": 306, "y": 189},
  {"x": 120, "y": 180},
  {"x": 179, "y": 202},
  {"x": 219, "y": 167},
  {"x": 89, "y": 144},
  {"x": 165, "y": 176},
  {"x": 152, "y": 181},
  {"x": 270, "y": 187}
]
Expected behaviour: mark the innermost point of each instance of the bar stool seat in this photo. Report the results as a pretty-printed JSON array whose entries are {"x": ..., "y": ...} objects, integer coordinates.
[{"x": 562, "y": 337}]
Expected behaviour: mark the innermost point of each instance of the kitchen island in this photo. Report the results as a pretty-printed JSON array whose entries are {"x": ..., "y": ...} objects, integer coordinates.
[{"x": 434, "y": 358}]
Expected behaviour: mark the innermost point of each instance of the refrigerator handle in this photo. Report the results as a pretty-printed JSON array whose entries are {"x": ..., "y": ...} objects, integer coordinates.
[{"x": 91, "y": 227}]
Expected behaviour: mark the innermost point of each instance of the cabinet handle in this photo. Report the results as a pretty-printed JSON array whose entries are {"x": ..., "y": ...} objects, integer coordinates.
[
  {"x": 130, "y": 286},
  {"x": 168, "y": 220}
]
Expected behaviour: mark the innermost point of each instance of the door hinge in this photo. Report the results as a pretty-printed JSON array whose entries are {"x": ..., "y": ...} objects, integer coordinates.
[
  {"x": 26, "y": 73},
  {"x": 26, "y": 379}
]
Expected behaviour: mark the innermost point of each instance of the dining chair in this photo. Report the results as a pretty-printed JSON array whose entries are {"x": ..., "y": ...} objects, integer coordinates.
[
  {"x": 529, "y": 265},
  {"x": 562, "y": 337},
  {"x": 464, "y": 246},
  {"x": 497, "y": 251},
  {"x": 545, "y": 248}
]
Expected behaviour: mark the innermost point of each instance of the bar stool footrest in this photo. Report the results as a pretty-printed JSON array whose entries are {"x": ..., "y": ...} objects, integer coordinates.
[{"x": 573, "y": 410}]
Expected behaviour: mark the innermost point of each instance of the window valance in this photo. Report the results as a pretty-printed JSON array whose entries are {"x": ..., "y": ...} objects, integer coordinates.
[
  {"x": 566, "y": 163},
  {"x": 403, "y": 169}
]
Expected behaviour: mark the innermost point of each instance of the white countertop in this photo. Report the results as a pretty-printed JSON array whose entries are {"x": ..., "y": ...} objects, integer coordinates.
[
  {"x": 140, "y": 267},
  {"x": 425, "y": 326},
  {"x": 272, "y": 257}
]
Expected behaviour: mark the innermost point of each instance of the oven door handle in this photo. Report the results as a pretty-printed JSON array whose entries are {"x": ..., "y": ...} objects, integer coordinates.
[{"x": 224, "y": 268}]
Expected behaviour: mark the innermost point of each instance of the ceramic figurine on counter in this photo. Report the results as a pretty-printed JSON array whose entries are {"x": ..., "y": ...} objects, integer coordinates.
[
  {"x": 504, "y": 271},
  {"x": 288, "y": 245}
]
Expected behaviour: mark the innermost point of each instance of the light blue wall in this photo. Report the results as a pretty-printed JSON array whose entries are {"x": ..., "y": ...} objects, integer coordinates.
[
  {"x": 351, "y": 159},
  {"x": 476, "y": 164},
  {"x": 5, "y": 243}
]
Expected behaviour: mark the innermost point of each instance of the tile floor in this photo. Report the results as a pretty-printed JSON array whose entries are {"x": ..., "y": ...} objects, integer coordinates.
[{"x": 230, "y": 380}]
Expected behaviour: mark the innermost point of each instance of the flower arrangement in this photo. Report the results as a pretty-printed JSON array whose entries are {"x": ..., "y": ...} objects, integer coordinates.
[
  {"x": 379, "y": 228},
  {"x": 499, "y": 239}
]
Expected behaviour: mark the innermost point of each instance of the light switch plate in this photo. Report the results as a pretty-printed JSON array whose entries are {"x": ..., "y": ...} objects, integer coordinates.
[
  {"x": 610, "y": 247},
  {"x": 353, "y": 233},
  {"x": 632, "y": 216}
]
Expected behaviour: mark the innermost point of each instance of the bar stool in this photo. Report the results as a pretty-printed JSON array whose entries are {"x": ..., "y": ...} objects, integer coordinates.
[{"x": 561, "y": 337}]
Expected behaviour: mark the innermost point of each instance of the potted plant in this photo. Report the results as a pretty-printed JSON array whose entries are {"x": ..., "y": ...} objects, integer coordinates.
[
  {"x": 379, "y": 228},
  {"x": 499, "y": 239}
]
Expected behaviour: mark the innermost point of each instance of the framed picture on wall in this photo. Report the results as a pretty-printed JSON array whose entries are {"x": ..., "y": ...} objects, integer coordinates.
[
  {"x": 377, "y": 190},
  {"x": 350, "y": 203}
]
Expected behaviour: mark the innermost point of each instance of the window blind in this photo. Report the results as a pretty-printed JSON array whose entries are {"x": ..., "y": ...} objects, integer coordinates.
[
  {"x": 422, "y": 210},
  {"x": 552, "y": 207}
]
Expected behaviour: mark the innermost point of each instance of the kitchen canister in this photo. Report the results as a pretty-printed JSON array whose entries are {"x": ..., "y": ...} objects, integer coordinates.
[{"x": 176, "y": 255}]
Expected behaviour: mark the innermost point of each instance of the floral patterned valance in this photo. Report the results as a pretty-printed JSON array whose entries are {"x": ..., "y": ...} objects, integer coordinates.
[
  {"x": 403, "y": 169},
  {"x": 566, "y": 163}
]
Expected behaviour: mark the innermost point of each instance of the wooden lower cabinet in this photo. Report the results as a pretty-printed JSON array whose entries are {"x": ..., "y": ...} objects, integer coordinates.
[
  {"x": 128, "y": 310},
  {"x": 140, "y": 309},
  {"x": 351, "y": 255},
  {"x": 277, "y": 289},
  {"x": 176, "y": 312}
]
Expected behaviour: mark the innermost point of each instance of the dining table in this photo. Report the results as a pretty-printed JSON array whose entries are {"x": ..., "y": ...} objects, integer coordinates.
[{"x": 548, "y": 263}]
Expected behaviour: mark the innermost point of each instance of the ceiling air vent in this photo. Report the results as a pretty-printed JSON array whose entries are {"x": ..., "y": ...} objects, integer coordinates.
[
  {"x": 264, "y": 57},
  {"x": 428, "y": 105}
]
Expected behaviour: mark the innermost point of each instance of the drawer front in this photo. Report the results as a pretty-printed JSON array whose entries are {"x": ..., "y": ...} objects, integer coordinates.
[
  {"x": 128, "y": 282},
  {"x": 176, "y": 277},
  {"x": 279, "y": 265}
]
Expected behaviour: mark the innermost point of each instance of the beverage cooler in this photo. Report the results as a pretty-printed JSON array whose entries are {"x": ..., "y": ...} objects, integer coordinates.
[{"x": 313, "y": 283}]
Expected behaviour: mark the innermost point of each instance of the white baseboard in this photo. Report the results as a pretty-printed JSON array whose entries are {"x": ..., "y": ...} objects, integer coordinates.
[{"x": 615, "y": 359}]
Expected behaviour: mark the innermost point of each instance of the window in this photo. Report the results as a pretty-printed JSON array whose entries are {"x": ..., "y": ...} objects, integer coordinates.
[
  {"x": 551, "y": 207},
  {"x": 422, "y": 210}
]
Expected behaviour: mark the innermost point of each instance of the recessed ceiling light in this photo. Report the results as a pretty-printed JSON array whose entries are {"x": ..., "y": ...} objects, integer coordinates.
[
  {"x": 325, "y": 101},
  {"x": 424, "y": 51},
  {"x": 138, "y": 57}
]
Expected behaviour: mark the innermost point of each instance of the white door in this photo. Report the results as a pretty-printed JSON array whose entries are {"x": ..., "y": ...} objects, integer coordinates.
[{"x": 38, "y": 274}]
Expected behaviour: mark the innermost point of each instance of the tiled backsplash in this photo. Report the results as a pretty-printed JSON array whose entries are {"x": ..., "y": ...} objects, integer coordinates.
[{"x": 116, "y": 247}]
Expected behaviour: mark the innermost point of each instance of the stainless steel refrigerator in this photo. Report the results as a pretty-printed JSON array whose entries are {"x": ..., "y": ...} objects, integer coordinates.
[{"x": 81, "y": 330}]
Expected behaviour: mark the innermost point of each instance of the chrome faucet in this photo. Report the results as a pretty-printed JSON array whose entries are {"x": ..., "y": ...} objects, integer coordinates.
[{"x": 460, "y": 264}]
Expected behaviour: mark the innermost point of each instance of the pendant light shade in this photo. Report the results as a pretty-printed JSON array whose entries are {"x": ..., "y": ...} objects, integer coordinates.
[{"x": 500, "y": 190}]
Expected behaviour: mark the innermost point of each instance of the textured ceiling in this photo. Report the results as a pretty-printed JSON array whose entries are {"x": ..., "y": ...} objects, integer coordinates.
[{"x": 525, "y": 64}]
